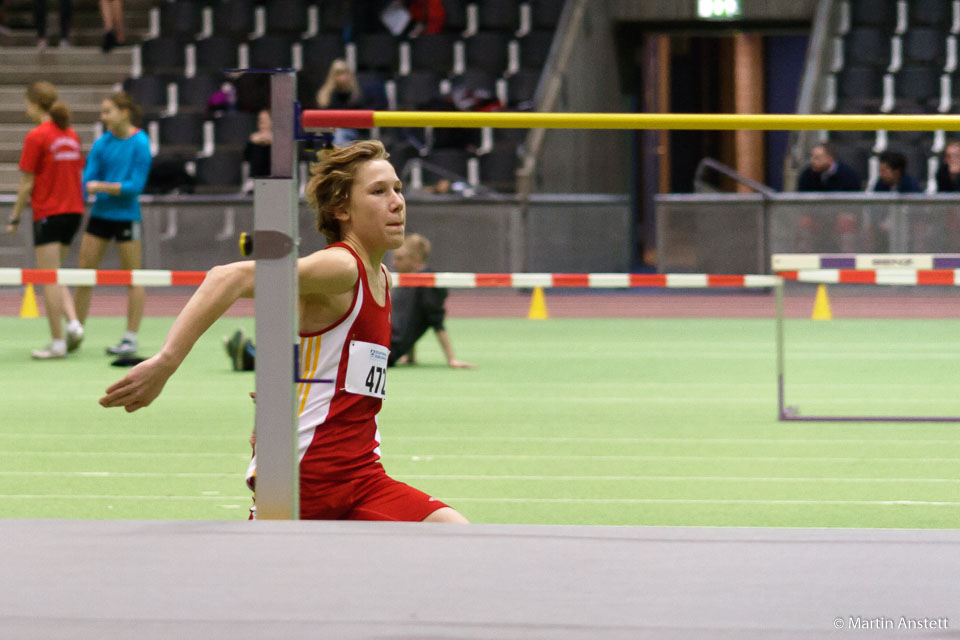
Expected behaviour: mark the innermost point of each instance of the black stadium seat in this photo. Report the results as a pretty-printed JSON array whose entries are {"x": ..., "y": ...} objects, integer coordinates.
[
  {"x": 271, "y": 52},
  {"x": 452, "y": 160},
  {"x": 499, "y": 15},
  {"x": 918, "y": 82},
  {"x": 181, "y": 133},
  {"x": 150, "y": 92},
  {"x": 935, "y": 13},
  {"x": 233, "y": 129},
  {"x": 488, "y": 51},
  {"x": 867, "y": 45},
  {"x": 498, "y": 168},
  {"x": 220, "y": 173},
  {"x": 433, "y": 52},
  {"x": 880, "y": 13},
  {"x": 521, "y": 88},
  {"x": 215, "y": 53},
  {"x": 286, "y": 17},
  {"x": 456, "y": 15},
  {"x": 925, "y": 45},
  {"x": 162, "y": 55},
  {"x": 535, "y": 48},
  {"x": 860, "y": 82},
  {"x": 193, "y": 93},
  {"x": 233, "y": 18},
  {"x": 416, "y": 89},
  {"x": 333, "y": 16},
  {"x": 181, "y": 19},
  {"x": 377, "y": 52},
  {"x": 546, "y": 13}
]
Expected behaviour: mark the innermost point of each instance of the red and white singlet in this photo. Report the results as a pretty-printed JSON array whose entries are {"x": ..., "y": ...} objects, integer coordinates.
[{"x": 347, "y": 364}]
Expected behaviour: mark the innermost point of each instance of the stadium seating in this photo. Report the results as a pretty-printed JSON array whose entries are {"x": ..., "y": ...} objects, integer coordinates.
[
  {"x": 488, "y": 51},
  {"x": 896, "y": 58}
]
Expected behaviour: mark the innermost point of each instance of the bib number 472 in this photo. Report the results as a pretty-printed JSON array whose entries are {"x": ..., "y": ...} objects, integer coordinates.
[{"x": 377, "y": 380}]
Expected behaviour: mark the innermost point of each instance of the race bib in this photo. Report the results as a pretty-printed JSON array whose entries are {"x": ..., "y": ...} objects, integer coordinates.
[{"x": 367, "y": 369}]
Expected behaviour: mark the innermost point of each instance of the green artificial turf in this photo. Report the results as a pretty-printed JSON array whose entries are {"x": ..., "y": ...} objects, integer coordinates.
[{"x": 592, "y": 421}]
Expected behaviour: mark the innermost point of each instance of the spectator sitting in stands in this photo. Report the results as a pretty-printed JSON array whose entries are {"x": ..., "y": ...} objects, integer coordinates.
[
  {"x": 826, "y": 173},
  {"x": 426, "y": 17},
  {"x": 257, "y": 151},
  {"x": 948, "y": 175},
  {"x": 341, "y": 91},
  {"x": 894, "y": 176}
]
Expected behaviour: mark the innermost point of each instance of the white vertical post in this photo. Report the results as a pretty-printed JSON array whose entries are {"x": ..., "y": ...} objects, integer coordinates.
[{"x": 275, "y": 243}]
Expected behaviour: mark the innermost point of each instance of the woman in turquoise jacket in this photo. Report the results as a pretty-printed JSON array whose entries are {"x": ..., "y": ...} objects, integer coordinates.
[{"x": 117, "y": 168}]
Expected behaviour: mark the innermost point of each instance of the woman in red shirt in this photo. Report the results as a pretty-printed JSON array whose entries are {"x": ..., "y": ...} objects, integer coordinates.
[{"x": 52, "y": 166}]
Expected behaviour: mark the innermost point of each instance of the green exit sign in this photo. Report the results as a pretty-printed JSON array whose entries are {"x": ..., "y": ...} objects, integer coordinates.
[{"x": 718, "y": 9}]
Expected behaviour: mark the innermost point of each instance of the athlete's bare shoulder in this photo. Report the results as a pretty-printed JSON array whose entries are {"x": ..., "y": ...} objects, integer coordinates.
[{"x": 327, "y": 272}]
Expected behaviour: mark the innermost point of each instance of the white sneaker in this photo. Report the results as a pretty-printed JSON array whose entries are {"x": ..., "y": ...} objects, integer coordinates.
[
  {"x": 74, "y": 338},
  {"x": 49, "y": 353},
  {"x": 125, "y": 348}
]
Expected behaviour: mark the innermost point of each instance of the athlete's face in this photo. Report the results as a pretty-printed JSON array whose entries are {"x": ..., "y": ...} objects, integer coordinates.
[
  {"x": 375, "y": 212},
  {"x": 113, "y": 116}
]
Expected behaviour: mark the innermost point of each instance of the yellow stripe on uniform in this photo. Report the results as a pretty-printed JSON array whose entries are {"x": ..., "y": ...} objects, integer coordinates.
[{"x": 315, "y": 343}]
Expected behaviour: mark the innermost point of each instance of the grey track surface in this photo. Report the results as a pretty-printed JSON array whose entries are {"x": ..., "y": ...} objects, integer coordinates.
[{"x": 82, "y": 579}]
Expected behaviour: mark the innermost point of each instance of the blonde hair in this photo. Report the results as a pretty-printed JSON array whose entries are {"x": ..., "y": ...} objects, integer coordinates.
[
  {"x": 330, "y": 84},
  {"x": 331, "y": 180},
  {"x": 419, "y": 244},
  {"x": 44, "y": 95}
]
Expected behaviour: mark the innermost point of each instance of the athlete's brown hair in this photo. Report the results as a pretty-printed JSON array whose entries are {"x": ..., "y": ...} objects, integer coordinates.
[
  {"x": 124, "y": 101},
  {"x": 44, "y": 95},
  {"x": 331, "y": 180}
]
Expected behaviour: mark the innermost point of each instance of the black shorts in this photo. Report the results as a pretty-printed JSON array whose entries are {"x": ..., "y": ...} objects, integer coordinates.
[
  {"x": 119, "y": 230},
  {"x": 56, "y": 228}
]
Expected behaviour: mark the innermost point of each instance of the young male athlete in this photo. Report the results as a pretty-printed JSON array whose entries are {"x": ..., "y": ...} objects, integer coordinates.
[
  {"x": 344, "y": 331},
  {"x": 414, "y": 310}
]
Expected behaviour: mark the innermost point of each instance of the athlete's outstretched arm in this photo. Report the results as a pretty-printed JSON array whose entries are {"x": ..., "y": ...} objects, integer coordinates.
[{"x": 220, "y": 289}]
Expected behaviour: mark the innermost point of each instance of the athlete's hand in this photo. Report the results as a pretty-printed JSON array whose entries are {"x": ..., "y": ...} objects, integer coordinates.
[
  {"x": 459, "y": 364},
  {"x": 140, "y": 387}
]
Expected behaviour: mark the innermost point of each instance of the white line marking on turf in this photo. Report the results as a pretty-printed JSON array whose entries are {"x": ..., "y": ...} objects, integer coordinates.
[
  {"x": 441, "y": 476},
  {"x": 617, "y": 440},
  {"x": 455, "y": 456},
  {"x": 130, "y": 454},
  {"x": 116, "y": 474},
  {"x": 578, "y": 439},
  {"x": 124, "y": 436},
  {"x": 523, "y": 500},
  {"x": 706, "y": 501},
  {"x": 81, "y": 496},
  {"x": 426, "y": 476}
]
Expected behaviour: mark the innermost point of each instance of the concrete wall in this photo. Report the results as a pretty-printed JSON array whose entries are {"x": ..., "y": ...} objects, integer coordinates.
[{"x": 588, "y": 161}]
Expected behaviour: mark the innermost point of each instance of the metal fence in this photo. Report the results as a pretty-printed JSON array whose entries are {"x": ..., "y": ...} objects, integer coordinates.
[
  {"x": 737, "y": 233},
  {"x": 563, "y": 233}
]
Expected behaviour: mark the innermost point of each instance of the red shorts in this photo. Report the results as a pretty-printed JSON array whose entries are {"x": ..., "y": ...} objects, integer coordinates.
[{"x": 373, "y": 497}]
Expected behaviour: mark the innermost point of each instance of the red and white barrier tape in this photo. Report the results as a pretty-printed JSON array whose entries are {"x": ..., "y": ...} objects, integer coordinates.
[
  {"x": 157, "y": 278},
  {"x": 910, "y": 277}
]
